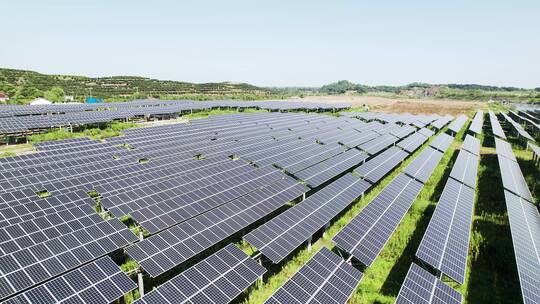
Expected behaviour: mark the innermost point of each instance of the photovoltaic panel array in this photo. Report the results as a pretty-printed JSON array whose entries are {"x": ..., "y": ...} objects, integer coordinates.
[
  {"x": 477, "y": 122},
  {"x": 525, "y": 229},
  {"x": 465, "y": 168},
  {"x": 458, "y": 123},
  {"x": 162, "y": 252},
  {"x": 517, "y": 127},
  {"x": 283, "y": 234},
  {"x": 219, "y": 278},
  {"x": 413, "y": 142},
  {"x": 325, "y": 278},
  {"x": 441, "y": 142},
  {"x": 421, "y": 287},
  {"x": 365, "y": 236},
  {"x": 422, "y": 166},
  {"x": 35, "y": 264},
  {"x": 426, "y": 132},
  {"x": 99, "y": 282},
  {"x": 471, "y": 144},
  {"x": 377, "y": 167},
  {"x": 378, "y": 144},
  {"x": 496, "y": 126},
  {"x": 322, "y": 172},
  {"x": 504, "y": 149},
  {"x": 513, "y": 179},
  {"x": 445, "y": 243}
]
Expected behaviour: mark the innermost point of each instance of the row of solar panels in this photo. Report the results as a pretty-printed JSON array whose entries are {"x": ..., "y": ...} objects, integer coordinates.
[
  {"x": 69, "y": 115},
  {"x": 524, "y": 221}
]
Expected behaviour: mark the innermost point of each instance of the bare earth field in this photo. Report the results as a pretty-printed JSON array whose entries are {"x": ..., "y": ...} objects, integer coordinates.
[{"x": 397, "y": 105}]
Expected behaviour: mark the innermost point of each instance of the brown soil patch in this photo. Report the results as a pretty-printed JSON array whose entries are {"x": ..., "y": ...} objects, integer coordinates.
[{"x": 402, "y": 105}]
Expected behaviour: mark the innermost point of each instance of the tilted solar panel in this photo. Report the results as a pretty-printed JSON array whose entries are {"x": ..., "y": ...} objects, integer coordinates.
[
  {"x": 378, "y": 144},
  {"x": 365, "y": 236},
  {"x": 513, "y": 179},
  {"x": 325, "y": 278},
  {"x": 456, "y": 125},
  {"x": 471, "y": 144},
  {"x": 477, "y": 122},
  {"x": 465, "y": 168},
  {"x": 496, "y": 126},
  {"x": 445, "y": 243},
  {"x": 421, "y": 287},
  {"x": 426, "y": 132},
  {"x": 99, "y": 282},
  {"x": 283, "y": 234},
  {"x": 219, "y": 278},
  {"x": 413, "y": 142},
  {"x": 503, "y": 148},
  {"x": 525, "y": 228},
  {"x": 376, "y": 168},
  {"x": 441, "y": 142},
  {"x": 423, "y": 165}
]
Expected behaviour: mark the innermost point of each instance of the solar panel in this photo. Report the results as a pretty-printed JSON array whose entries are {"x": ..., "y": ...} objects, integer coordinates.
[
  {"x": 477, "y": 122},
  {"x": 503, "y": 148},
  {"x": 365, "y": 236},
  {"x": 423, "y": 165},
  {"x": 456, "y": 125},
  {"x": 219, "y": 278},
  {"x": 325, "y": 278},
  {"x": 513, "y": 179},
  {"x": 465, "y": 168},
  {"x": 446, "y": 241},
  {"x": 403, "y": 131},
  {"x": 471, "y": 144},
  {"x": 322, "y": 172},
  {"x": 441, "y": 142},
  {"x": 525, "y": 229},
  {"x": 379, "y": 144},
  {"x": 162, "y": 252},
  {"x": 496, "y": 126},
  {"x": 99, "y": 282},
  {"x": 421, "y": 287},
  {"x": 426, "y": 132},
  {"x": 30, "y": 266},
  {"x": 283, "y": 234},
  {"x": 413, "y": 142},
  {"x": 376, "y": 168}
]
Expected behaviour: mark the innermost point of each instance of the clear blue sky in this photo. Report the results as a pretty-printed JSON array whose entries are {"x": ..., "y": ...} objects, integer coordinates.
[{"x": 278, "y": 43}]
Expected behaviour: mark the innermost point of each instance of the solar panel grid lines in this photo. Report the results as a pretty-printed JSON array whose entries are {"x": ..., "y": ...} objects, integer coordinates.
[
  {"x": 179, "y": 243},
  {"x": 458, "y": 123},
  {"x": 413, "y": 142},
  {"x": 504, "y": 149},
  {"x": 378, "y": 144},
  {"x": 465, "y": 168},
  {"x": 517, "y": 127},
  {"x": 325, "y": 278},
  {"x": 513, "y": 179},
  {"x": 471, "y": 144},
  {"x": 445, "y": 243},
  {"x": 219, "y": 278},
  {"x": 280, "y": 236},
  {"x": 99, "y": 282},
  {"x": 424, "y": 164},
  {"x": 376, "y": 168},
  {"x": 421, "y": 287},
  {"x": 366, "y": 235},
  {"x": 320, "y": 173},
  {"x": 403, "y": 131},
  {"x": 441, "y": 142},
  {"x": 163, "y": 214},
  {"x": 298, "y": 162},
  {"x": 357, "y": 140},
  {"x": 30, "y": 266},
  {"x": 31, "y": 232},
  {"x": 524, "y": 221},
  {"x": 496, "y": 126},
  {"x": 477, "y": 122}
]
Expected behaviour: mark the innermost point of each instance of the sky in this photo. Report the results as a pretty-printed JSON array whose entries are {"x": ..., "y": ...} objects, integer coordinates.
[{"x": 278, "y": 43}]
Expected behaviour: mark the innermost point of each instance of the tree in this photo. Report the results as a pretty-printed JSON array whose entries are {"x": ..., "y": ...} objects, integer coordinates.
[
  {"x": 28, "y": 92},
  {"x": 8, "y": 89},
  {"x": 55, "y": 94}
]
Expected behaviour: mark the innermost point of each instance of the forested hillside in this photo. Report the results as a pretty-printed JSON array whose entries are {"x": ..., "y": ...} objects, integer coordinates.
[{"x": 23, "y": 85}]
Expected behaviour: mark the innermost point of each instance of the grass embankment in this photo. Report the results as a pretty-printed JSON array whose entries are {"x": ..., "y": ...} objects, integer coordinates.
[{"x": 381, "y": 280}]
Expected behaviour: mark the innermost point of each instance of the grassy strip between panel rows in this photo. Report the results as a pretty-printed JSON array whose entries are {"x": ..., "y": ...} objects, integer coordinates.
[{"x": 382, "y": 280}]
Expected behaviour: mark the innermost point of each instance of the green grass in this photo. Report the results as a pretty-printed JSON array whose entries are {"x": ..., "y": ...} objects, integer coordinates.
[{"x": 109, "y": 130}]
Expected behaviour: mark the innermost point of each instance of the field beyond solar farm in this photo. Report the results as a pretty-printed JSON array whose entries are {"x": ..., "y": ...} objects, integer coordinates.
[{"x": 270, "y": 201}]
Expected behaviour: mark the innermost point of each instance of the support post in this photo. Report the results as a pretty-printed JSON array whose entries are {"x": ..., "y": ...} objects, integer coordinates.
[
  {"x": 309, "y": 243},
  {"x": 326, "y": 226},
  {"x": 304, "y": 196},
  {"x": 139, "y": 272}
]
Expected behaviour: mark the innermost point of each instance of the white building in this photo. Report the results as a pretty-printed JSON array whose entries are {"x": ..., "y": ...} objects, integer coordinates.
[{"x": 40, "y": 101}]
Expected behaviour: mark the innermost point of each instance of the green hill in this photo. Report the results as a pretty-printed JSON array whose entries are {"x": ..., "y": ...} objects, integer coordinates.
[{"x": 23, "y": 85}]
